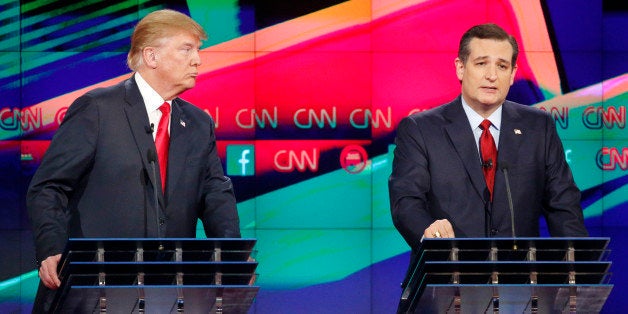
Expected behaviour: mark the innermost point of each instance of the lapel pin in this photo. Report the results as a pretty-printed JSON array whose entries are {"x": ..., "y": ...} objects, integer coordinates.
[
  {"x": 182, "y": 123},
  {"x": 517, "y": 131}
]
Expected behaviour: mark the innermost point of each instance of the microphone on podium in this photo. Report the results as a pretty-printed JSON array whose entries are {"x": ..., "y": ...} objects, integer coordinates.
[
  {"x": 503, "y": 165},
  {"x": 152, "y": 159}
]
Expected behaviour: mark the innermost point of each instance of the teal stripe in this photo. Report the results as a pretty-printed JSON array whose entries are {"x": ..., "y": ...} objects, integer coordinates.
[
  {"x": 10, "y": 31},
  {"x": 21, "y": 288},
  {"x": 77, "y": 35},
  {"x": 10, "y": 64},
  {"x": 219, "y": 18},
  {"x": 43, "y": 59}
]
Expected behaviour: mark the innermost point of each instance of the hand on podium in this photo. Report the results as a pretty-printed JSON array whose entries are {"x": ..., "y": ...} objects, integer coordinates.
[
  {"x": 439, "y": 229},
  {"x": 48, "y": 272},
  {"x": 254, "y": 277}
]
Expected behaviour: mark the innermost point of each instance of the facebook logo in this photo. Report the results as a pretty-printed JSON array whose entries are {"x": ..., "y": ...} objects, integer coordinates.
[{"x": 240, "y": 160}]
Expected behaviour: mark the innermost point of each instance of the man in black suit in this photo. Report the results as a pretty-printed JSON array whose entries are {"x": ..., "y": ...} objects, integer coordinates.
[
  {"x": 437, "y": 186},
  {"x": 102, "y": 170}
]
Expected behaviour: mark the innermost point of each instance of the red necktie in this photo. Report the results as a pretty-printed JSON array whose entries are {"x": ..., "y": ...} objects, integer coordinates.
[
  {"x": 488, "y": 152},
  {"x": 162, "y": 142}
]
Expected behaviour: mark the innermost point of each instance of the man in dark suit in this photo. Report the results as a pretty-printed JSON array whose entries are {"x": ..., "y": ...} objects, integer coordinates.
[
  {"x": 437, "y": 186},
  {"x": 103, "y": 169}
]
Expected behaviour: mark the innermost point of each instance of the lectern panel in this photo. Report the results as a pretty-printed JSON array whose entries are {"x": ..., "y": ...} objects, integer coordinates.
[
  {"x": 510, "y": 298},
  {"x": 159, "y": 299},
  {"x": 156, "y": 276},
  {"x": 476, "y": 275}
]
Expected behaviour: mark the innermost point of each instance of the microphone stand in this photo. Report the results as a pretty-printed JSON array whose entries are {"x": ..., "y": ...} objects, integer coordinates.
[
  {"x": 504, "y": 167},
  {"x": 152, "y": 159}
]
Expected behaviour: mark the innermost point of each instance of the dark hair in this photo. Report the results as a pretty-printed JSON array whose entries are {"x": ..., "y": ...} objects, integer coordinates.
[{"x": 486, "y": 31}]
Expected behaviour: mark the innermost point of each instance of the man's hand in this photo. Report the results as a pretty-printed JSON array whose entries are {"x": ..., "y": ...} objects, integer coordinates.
[
  {"x": 439, "y": 229},
  {"x": 254, "y": 276},
  {"x": 48, "y": 272}
]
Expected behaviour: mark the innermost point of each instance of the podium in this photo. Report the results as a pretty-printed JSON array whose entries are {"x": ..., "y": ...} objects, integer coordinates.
[
  {"x": 521, "y": 275},
  {"x": 156, "y": 276}
]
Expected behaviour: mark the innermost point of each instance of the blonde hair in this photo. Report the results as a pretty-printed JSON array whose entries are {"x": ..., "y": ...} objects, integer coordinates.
[{"x": 158, "y": 25}]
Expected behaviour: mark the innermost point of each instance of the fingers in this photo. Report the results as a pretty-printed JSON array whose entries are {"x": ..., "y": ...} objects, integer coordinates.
[
  {"x": 48, "y": 272},
  {"x": 440, "y": 229},
  {"x": 253, "y": 276}
]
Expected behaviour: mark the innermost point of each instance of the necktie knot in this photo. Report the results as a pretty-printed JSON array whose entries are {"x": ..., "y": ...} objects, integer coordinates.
[
  {"x": 165, "y": 108},
  {"x": 485, "y": 125}
]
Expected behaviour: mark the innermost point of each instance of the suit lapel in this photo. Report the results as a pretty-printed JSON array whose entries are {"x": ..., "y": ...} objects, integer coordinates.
[
  {"x": 511, "y": 134},
  {"x": 178, "y": 145},
  {"x": 462, "y": 140},
  {"x": 138, "y": 121}
]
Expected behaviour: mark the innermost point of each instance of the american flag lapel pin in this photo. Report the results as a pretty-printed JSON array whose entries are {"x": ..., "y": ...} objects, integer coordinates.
[
  {"x": 517, "y": 131},
  {"x": 182, "y": 123}
]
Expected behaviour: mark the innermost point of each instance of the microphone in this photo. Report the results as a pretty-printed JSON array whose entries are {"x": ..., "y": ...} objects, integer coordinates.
[
  {"x": 152, "y": 159},
  {"x": 504, "y": 166},
  {"x": 488, "y": 214},
  {"x": 488, "y": 164},
  {"x": 149, "y": 129}
]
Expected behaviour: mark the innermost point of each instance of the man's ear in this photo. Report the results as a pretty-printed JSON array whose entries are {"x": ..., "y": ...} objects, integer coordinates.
[
  {"x": 459, "y": 68},
  {"x": 512, "y": 75},
  {"x": 149, "y": 55}
]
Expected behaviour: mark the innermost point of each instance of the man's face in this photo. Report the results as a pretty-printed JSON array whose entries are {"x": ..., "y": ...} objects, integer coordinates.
[
  {"x": 487, "y": 75},
  {"x": 178, "y": 59}
]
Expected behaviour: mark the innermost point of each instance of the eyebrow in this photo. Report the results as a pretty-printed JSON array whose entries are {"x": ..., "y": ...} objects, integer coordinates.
[
  {"x": 487, "y": 57},
  {"x": 190, "y": 44}
]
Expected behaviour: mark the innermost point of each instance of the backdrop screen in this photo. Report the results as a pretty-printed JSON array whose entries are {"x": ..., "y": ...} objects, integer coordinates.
[{"x": 306, "y": 96}]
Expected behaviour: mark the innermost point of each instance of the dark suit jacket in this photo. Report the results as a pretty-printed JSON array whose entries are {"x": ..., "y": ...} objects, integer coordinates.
[
  {"x": 95, "y": 179},
  {"x": 437, "y": 174}
]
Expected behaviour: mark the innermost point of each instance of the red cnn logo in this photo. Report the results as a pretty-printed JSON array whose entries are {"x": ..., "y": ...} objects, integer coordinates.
[
  {"x": 608, "y": 158},
  {"x": 598, "y": 117}
]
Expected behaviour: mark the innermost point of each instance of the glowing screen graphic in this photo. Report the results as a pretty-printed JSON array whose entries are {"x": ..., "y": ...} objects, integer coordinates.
[{"x": 306, "y": 99}]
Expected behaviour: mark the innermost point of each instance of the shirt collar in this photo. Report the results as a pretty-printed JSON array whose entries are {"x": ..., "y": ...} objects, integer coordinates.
[
  {"x": 475, "y": 118},
  {"x": 152, "y": 100}
]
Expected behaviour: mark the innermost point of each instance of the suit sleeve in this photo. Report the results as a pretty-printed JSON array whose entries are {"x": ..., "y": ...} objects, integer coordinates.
[
  {"x": 561, "y": 202},
  {"x": 409, "y": 183},
  {"x": 220, "y": 215},
  {"x": 65, "y": 163}
]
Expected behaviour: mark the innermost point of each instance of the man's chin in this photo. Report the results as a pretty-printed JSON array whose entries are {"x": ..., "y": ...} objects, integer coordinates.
[
  {"x": 189, "y": 84},
  {"x": 192, "y": 82},
  {"x": 491, "y": 101}
]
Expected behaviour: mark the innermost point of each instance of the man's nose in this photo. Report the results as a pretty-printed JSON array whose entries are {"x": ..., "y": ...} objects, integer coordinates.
[
  {"x": 491, "y": 73},
  {"x": 196, "y": 59}
]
